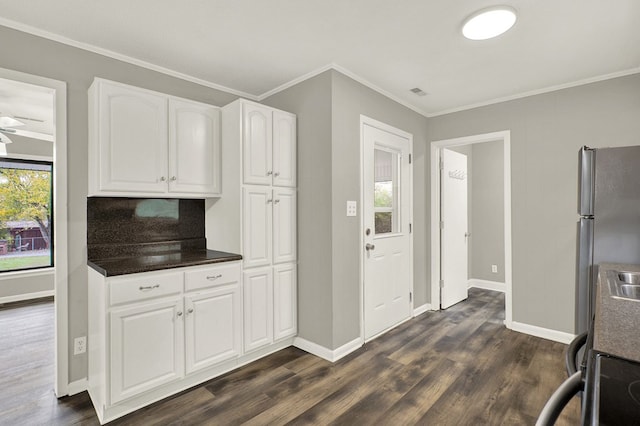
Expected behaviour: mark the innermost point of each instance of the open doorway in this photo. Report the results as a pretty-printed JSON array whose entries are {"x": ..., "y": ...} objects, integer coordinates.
[
  {"x": 34, "y": 135},
  {"x": 499, "y": 280}
]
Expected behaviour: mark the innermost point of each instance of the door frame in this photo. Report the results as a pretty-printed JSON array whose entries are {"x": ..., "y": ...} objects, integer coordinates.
[
  {"x": 61, "y": 330},
  {"x": 436, "y": 154},
  {"x": 364, "y": 120}
]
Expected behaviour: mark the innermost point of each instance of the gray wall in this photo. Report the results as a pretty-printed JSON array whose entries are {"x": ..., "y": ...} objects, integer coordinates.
[
  {"x": 329, "y": 164},
  {"x": 30, "y": 54},
  {"x": 311, "y": 102},
  {"x": 38, "y": 281},
  {"x": 487, "y": 215},
  {"x": 546, "y": 132}
]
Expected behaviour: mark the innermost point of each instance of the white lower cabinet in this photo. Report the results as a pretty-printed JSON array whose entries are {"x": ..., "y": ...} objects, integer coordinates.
[
  {"x": 213, "y": 327},
  {"x": 269, "y": 305},
  {"x": 285, "y": 314},
  {"x": 258, "y": 308},
  {"x": 154, "y": 334},
  {"x": 146, "y": 343}
]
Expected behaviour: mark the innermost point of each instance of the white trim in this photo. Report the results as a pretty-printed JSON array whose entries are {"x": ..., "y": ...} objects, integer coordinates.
[
  {"x": 545, "y": 333},
  {"x": 29, "y": 157},
  {"x": 544, "y": 90},
  {"x": 26, "y": 296},
  {"x": 436, "y": 151},
  {"x": 60, "y": 191},
  {"x": 421, "y": 309},
  {"x": 325, "y": 353},
  {"x": 295, "y": 81},
  {"x": 120, "y": 57},
  {"x": 364, "y": 120},
  {"x": 78, "y": 386},
  {"x": 26, "y": 274},
  {"x": 346, "y": 72},
  {"x": 487, "y": 285}
]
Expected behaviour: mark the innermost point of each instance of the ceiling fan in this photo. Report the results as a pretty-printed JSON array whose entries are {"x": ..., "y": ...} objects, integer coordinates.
[{"x": 6, "y": 123}]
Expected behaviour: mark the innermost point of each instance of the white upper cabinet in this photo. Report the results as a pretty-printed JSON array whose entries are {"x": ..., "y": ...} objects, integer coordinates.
[
  {"x": 144, "y": 143},
  {"x": 132, "y": 139},
  {"x": 269, "y": 146},
  {"x": 284, "y": 149},
  {"x": 194, "y": 147},
  {"x": 257, "y": 144}
]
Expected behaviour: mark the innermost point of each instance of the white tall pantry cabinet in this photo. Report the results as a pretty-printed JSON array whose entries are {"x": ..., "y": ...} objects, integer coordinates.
[{"x": 262, "y": 140}]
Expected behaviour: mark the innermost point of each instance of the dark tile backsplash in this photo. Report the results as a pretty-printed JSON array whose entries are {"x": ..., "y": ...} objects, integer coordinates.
[{"x": 115, "y": 226}]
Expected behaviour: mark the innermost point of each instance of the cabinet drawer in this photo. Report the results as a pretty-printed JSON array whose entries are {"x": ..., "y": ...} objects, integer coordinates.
[
  {"x": 144, "y": 286},
  {"x": 211, "y": 276}
]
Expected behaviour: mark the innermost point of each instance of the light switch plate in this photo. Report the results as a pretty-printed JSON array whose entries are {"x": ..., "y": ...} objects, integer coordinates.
[{"x": 352, "y": 208}]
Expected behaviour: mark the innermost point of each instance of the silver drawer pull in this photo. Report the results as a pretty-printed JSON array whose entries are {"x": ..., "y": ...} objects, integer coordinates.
[
  {"x": 214, "y": 277},
  {"x": 148, "y": 287}
]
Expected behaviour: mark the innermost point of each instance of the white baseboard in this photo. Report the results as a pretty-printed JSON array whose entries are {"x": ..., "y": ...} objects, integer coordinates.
[
  {"x": 421, "y": 309},
  {"x": 545, "y": 333},
  {"x": 78, "y": 386},
  {"x": 325, "y": 353},
  {"x": 487, "y": 285},
  {"x": 26, "y": 296}
]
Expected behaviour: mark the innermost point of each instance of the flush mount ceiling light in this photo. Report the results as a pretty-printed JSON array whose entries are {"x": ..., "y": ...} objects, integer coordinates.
[{"x": 489, "y": 23}]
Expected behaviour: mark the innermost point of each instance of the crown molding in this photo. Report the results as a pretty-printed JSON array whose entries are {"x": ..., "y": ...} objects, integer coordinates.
[
  {"x": 120, "y": 57},
  {"x": 167, "y": 71},
  {"x": 538, "y": 91}
]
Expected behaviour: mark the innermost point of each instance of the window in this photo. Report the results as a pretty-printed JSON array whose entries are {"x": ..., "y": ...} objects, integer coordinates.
[
  {"x": 26, "y": 206},
  {"x": 386, "y": 191}
]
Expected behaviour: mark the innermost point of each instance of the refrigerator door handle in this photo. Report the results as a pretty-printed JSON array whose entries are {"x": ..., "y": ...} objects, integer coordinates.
[
  {"x": 586, "y": 181},
  {"x": 584, "y": 271}
]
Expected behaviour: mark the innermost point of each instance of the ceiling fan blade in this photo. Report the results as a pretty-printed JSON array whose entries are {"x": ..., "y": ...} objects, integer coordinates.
[
  {"x": 4, "y": 139},
  {"x": 2, "y": 129},
  {"x": 6, "y": 121},
  {"x": 3, "y": 150}
]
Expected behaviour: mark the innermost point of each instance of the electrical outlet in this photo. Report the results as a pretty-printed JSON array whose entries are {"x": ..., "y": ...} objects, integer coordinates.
[
  {"x": 352, "y": 208},
  {"x": 494, "y": 269},
  {"x": 79, "y": 345}
]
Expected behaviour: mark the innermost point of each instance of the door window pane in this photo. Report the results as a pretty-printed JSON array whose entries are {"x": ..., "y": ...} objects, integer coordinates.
[
  {"x": 386, "y": 182},
  {"x": 26, "y": 204}
]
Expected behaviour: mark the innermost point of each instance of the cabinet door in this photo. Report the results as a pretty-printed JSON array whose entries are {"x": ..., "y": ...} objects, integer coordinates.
[
  {"x": 257, "y": 144},
  {"x": 284, "y": 149},
  {"x": 213, "y": 327},
  {"x": 132, "y": 138},
  {"x": 147, "y": 347},
  {"x": 284, "y": 225},
  {"x": 258, "y": 308},
  {"x": 257, "y": 214},
  {"x": 194, "y": 147},
  {"x": 285, "y": 301}
]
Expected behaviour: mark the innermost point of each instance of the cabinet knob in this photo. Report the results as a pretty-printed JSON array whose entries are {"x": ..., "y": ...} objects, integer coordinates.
[
  {"x": 276, "y": 201},
  {"x": 179, "y": 313},
  {"x": 269, "y": 201},
  {"x": 174, "y": 178},
  {"x": 162, "y": 178},
  {"x": 269, "y": 173},
  {"x": 190, "y": 311},
  {"x": 276, "y": 174}
]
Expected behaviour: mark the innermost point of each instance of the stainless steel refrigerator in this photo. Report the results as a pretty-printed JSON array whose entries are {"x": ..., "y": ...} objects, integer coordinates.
[{"x": 609, "y": 225}]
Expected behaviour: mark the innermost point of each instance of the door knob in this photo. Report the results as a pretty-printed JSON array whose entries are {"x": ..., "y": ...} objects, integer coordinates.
[{"x": 369, "y": 247}]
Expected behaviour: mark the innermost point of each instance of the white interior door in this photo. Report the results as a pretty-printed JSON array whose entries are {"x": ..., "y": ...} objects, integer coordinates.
[
  {"x": 387, "y": 242},
  {"x": 454, "y": 231}
]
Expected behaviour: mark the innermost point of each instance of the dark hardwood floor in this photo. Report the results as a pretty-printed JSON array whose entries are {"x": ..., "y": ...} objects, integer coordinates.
[{"x": 456, "y": 367}]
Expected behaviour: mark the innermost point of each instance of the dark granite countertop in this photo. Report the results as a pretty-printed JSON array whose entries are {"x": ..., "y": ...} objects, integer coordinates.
[{"x": 157, "y": 261}]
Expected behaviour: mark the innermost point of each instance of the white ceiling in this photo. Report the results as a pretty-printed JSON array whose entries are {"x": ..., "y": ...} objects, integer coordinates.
[{"x": 254, "y": 47}]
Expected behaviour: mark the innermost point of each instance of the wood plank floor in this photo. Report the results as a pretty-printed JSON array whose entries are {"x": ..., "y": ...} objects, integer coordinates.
[{"x": 456, "y": 367}]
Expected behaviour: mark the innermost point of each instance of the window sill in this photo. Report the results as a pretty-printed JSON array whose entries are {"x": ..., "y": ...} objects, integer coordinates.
[{"x": 27, "y": 273}]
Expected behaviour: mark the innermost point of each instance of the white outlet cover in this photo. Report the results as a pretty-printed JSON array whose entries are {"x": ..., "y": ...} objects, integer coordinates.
[
  {"x": 352, "y": 208},
  {"x": 79, "y": 345},
  {"x": 494, "y": 269}
]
